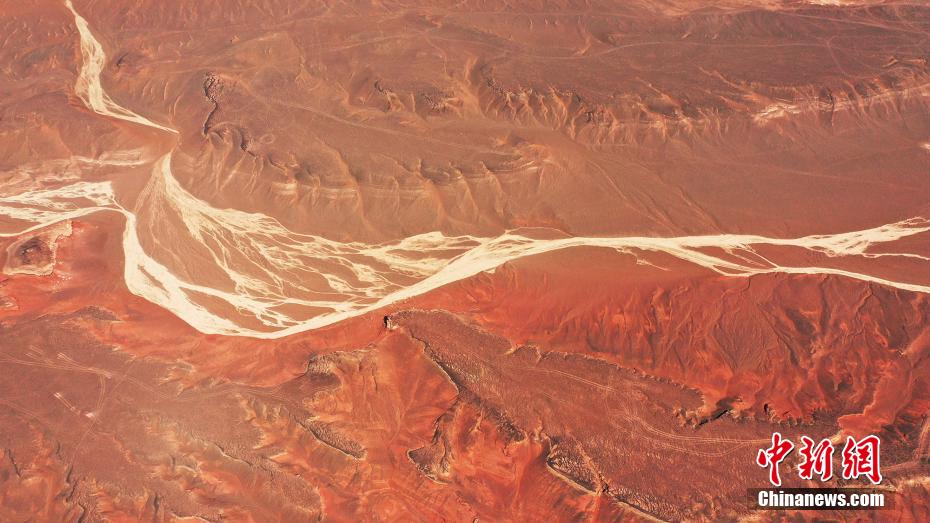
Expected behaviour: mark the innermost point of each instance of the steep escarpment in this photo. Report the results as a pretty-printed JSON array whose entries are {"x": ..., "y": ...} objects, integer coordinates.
[{"x": 475, "y": 122}]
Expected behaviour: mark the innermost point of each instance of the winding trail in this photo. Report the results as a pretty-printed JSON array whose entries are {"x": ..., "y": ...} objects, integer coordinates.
[{"x": 267, "y": 265}]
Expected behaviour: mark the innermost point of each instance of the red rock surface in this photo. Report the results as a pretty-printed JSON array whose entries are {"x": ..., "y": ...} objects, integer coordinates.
[{"x": 457, "y": 261}]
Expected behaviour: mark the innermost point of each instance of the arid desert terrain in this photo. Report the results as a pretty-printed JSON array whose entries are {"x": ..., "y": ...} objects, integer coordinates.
[{"x": 284, "y": 260}]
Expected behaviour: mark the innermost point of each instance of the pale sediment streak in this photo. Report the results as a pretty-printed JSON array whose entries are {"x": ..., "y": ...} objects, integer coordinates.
[
  {"x": 231, "y": 229},
  {"x": 267, "y": 265},
  {"x": 88, "y": 86}
]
